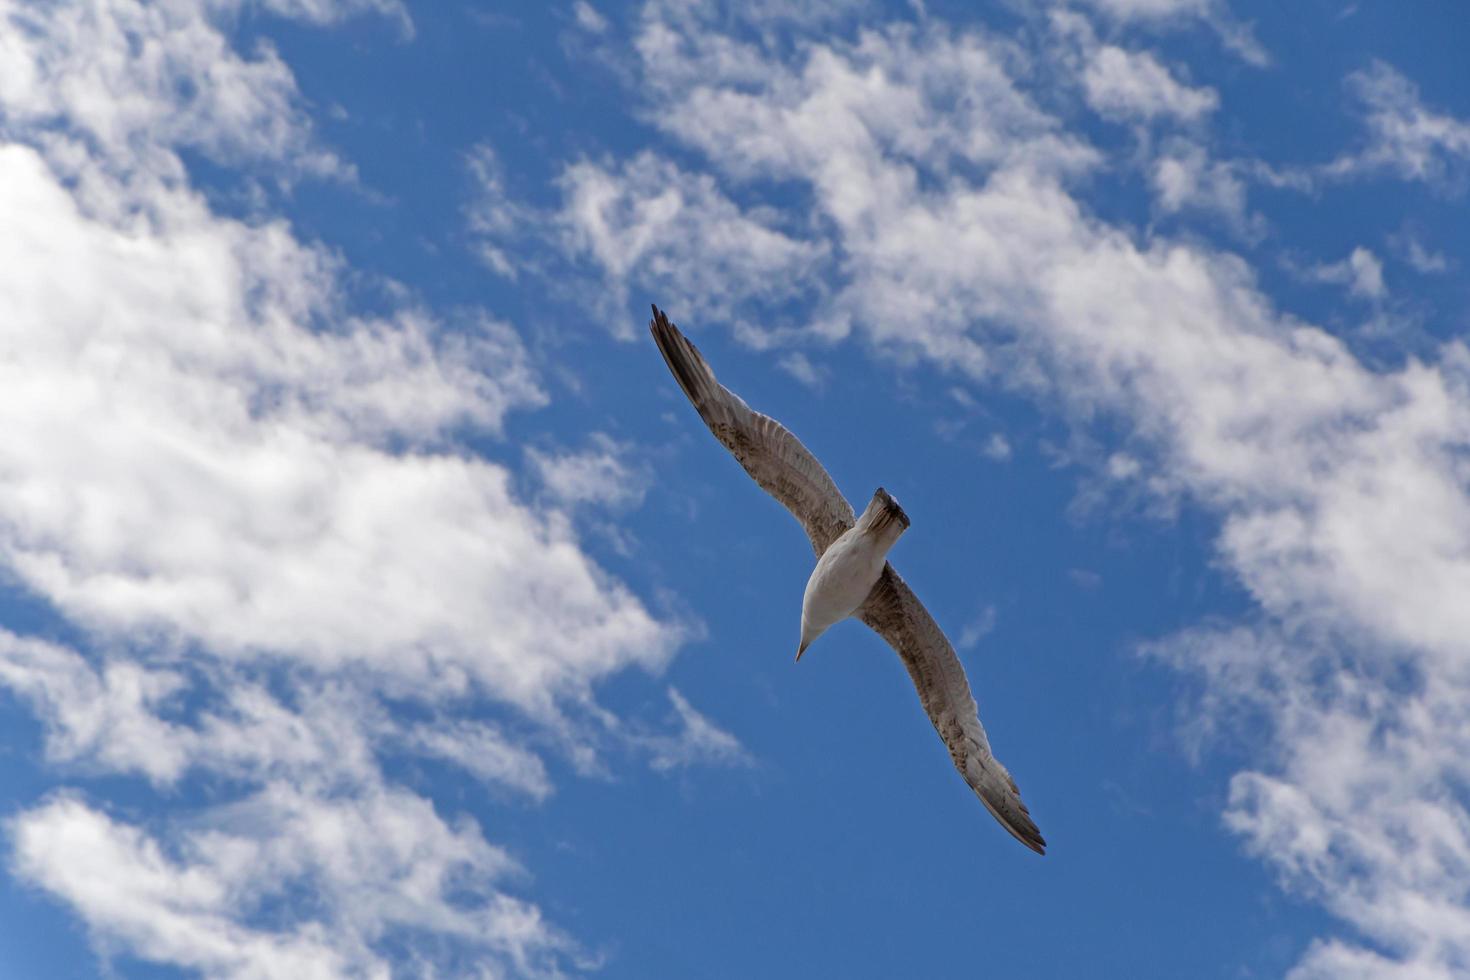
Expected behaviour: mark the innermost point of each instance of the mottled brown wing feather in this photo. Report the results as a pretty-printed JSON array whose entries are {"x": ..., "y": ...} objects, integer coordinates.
[
  {"x": 897, "y": 615},
  {"x": 773, "y": 457}
]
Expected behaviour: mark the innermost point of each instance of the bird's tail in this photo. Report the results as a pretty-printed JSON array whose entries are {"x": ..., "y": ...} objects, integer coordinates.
[{"x": 884, "y": 517}]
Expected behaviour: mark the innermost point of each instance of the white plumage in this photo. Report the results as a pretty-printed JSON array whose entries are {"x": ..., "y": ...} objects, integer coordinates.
[
  {"x": 852, "y": 576},
  {"x": 847, "y": 571}
]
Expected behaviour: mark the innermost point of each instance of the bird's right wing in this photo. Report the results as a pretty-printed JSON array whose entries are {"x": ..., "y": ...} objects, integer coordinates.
[
  {"x": 774, "y": 457},
  {"x": 897, "y": 615}
]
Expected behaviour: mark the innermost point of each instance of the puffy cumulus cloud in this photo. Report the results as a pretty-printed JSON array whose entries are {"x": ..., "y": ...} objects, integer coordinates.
[
  {"x": 311, "y": 815},
  {"x": 252, "y": 508},
  {"x": 953, "y": 205},
  {"x": 1363, "y": 809},
  {"x": 847, "y": 104},
  {"x": 134, "y": 79},
  {"x": 379, "y": 861},
  {"x": 109, "y": 717},
  {"x": 870, "y": 128},
  {"x": 189, "y": 456},
  {"x": 1130, "y": 84},
  {"x": 1405, "y": 137},
  {"x": 1185, "y": 178}
]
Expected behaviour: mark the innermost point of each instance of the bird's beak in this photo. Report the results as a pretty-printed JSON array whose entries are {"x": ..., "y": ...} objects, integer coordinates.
[{"x": 800, "y": 650}]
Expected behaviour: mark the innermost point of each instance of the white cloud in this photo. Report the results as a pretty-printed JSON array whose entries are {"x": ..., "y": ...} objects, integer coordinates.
[
  {"x": 124, "y": 883},
  {"x": 484, "y": 752},
  {"x": 1405, "y": 137},
  {"x": 1186, "y": 179},
  {"x": 997, "y": 447},
  {"x": 333, "y": 11},
  {"x": 250, "y": 504},
  {"x": 842, "y": 104},
  {"x": 859, "y": 125},
  {"x": 629, "y": 221},
  {"x": 1419, "y": 257},
  {"x": 977, "y": 629},
  {"x": 109, "y": 717},
  {"x": 254, "y": 440},
  {"x": 601, "y": 474},
  {"x": 1152, "y": 9},
  {"x": 588, "y": 18},
  {"x": 766, "y": 15},
  {"x": 1133, "y": 84},
  {"x": 378, "y": 860},
  {"x": 800, "y": 367},
  {"x": 1338, "y": 488},
  {"x": 1367, "y": 274},
  {"x": 632, "y": 222},
  {"x": 1364, "y": 814},
  {"x": 1235, "y": 35},
  {"x": 1361, "y": 272},
  {"x": 134, "y": 78},
  {"x": 698, "y": 741},
  {"x": 496, "y": 219}
]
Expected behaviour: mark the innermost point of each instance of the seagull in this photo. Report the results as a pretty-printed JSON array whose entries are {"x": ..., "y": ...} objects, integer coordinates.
[{"x": 852, "y": 576}]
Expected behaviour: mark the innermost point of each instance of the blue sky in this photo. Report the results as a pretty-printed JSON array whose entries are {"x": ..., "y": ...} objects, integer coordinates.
[{"x": 374, "y": 604}]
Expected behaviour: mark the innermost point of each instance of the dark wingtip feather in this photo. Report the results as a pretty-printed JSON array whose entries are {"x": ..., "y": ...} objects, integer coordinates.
[
  {"x": 1020, "y": 826},
  {"x": 682, "y": 357},
  {"x": 1008, "y": 809},
  {"x": 1028, "y": 833}
]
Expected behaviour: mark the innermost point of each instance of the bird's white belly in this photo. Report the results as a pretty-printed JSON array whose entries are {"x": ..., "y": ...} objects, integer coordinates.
[{"x": 845, "y": 574}]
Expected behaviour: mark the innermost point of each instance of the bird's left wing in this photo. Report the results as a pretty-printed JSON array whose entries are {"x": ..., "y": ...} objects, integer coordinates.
[
  {"x": 774, "y": 457},
  {"x": 898, "y": 616}
]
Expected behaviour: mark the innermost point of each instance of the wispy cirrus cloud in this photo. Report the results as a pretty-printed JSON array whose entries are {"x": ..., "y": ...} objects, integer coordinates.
[
  {"x": 1237, "y": 36},
  {"x": 1420, "y": 257},
  {"x": 1405, "y": 137},
  {"x": 695, "y": 741}
]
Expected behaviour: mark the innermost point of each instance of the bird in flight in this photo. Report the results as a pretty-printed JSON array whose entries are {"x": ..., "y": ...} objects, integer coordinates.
[{"x": 853, "y": 576}]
